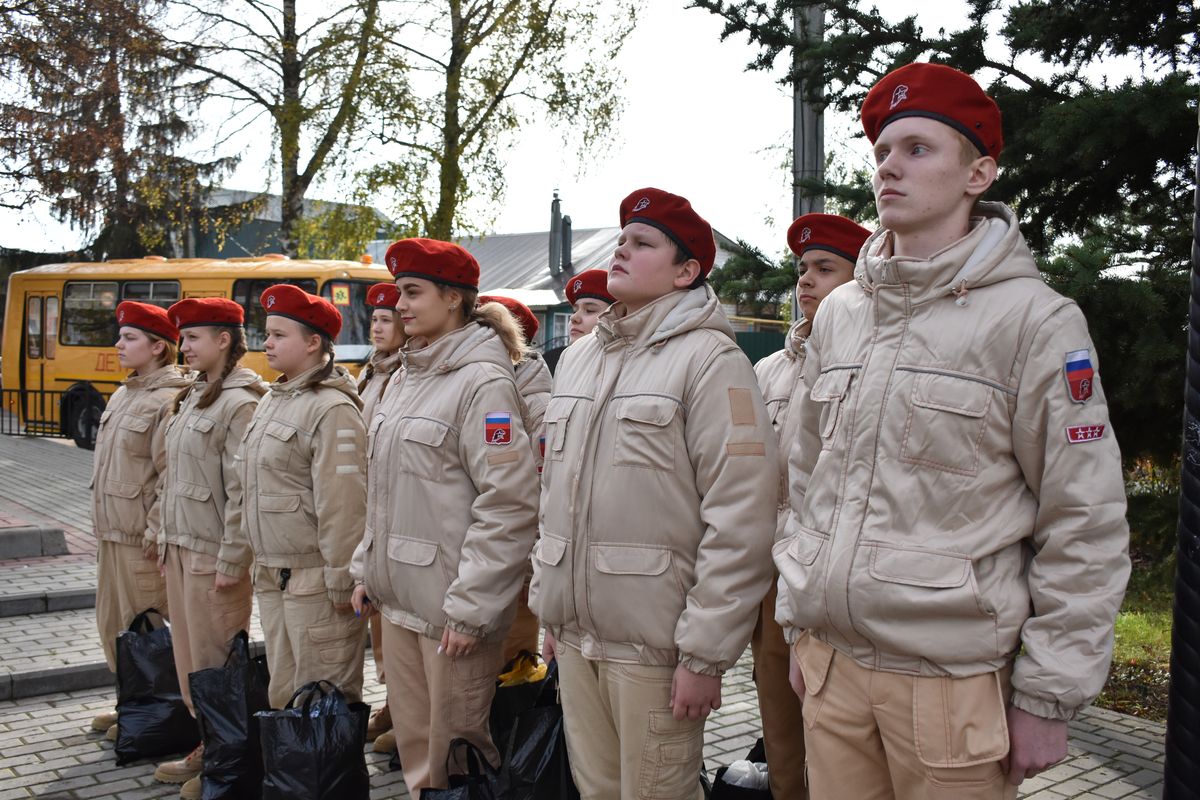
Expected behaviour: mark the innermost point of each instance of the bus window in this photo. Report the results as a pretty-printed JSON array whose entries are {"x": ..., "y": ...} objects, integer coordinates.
[
  {"x": 350, "y": 298},
  {"x": 159, "y": 293},
  {"x": 248, "y": 292},
  {"x": 33, "y": 328},
  {"x": 88, "y": 313},
  {"x": 51, "y": 326}
]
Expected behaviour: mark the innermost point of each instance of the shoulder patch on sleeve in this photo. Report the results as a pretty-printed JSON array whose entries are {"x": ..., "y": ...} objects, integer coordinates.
[
  {"x": 497, "y": 428},
  {"x": 741, "y": 406},
  {"x": 746, "y": 449},
  {"x": 494, "y": 459},
  {"x": 1084, "y": 433},
  {"x": 1080, "y": 375}
]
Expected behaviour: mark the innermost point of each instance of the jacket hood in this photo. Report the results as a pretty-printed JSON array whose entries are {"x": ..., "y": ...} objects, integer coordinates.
[
  {"x": 993, "y": 251},
  {"x": 670, "y": 315},
  {"x": 472, "y": 343},
  {"x": 168, "y": 377},
  {"x": 533, "y": 376},
  {"x": 797, "y": 335},
  {"x": 339, "y": 380},
  {"x": 386, "y": 363}
]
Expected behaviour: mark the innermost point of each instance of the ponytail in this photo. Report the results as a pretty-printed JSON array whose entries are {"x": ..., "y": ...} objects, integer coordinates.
[{"x": 367, "y": 373}]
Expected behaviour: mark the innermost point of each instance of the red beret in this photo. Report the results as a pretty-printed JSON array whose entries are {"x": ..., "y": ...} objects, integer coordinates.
[
  {"x": 937, "y": 92},
  {"x": 519, "y": 310},
  {"x": 838, "y": 235},
  {"x": 207, "y": 311},
  {"x": 383, "y": 295},
  {"x": 590, "y": 283},
  {"x": 440, "y": 262},
  {"x": 285, "y": 300},
  {"x": 151, "y": 319},
  {"x": 673, "y": 215}
]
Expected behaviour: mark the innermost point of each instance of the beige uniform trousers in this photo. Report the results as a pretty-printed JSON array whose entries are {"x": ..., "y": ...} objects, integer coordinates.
[
  {"x": 434, "y": 699},
  {"x": 375, "y": 623},
  {"x": 126, "y": 585},
  {"x": 622, "y": 737},
  {"x": 306, "y": 639},
  {"x": 205, "y": 620},
  {"x": 876, "y": 735},
  {"x": 782, "y": 720}
]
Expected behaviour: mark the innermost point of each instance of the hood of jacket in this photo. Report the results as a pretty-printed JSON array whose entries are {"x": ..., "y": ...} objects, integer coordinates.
[
  {"x": 339, "y": 380},
  {"x": 670, "y": 315},
  {"x": 470, "y": 344}
]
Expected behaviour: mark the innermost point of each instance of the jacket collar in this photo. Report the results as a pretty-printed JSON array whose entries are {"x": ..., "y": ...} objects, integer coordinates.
[
  {"x": 670, "y": 315},
  {"x": 168, "y": 376},
  {"x": 472, "y": 342}
]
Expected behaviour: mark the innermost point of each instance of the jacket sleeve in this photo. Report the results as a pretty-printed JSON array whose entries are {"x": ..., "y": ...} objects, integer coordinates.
[
  {"x": 497, "y": 547},
  {"x": 234, "y": 556},
  {"x": 1080, "y": 541},
  {"x": 158, "y": 453},
  {"x": 733, "y": 452},
  {"x": 339, "y": 482}
]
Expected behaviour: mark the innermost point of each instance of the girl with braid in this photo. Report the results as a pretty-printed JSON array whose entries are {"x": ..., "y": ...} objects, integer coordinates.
[{"x": 202, "y": 498}]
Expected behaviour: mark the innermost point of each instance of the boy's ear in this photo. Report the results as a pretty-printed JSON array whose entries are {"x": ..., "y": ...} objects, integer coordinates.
[
  {"x": 686, "y": 273},
  {"x": 982, "y": 176}
]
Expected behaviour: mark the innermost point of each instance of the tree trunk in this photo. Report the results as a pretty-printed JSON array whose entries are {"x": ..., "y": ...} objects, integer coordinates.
[
  {"x": 441, "y": 223},
  {"x": 288, "y": 119}
]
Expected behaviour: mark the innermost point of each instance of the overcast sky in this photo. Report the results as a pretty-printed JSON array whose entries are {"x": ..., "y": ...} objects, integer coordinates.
[{"x": 695, "y": 123}]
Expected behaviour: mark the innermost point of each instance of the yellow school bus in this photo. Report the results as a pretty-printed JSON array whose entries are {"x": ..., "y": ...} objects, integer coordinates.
[{"x": 59, "y": 365}]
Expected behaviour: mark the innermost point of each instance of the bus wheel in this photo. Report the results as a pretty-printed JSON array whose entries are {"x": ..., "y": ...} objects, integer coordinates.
[{"x": 83, "y": 412}]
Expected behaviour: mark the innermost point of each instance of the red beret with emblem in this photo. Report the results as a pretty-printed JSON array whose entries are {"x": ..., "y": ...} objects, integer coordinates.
[
  {"x": 383, "y": 295},
  {"x": 589, "y": 283},
  {"x": 433, "y": 260},
  {"x": 151, "y": 319},
  {"x": 674, "y": 216},
  {"x": 840, "y": 236},
  {"x": 207, "y": 311},
  {"x": 285, "y": 300},
  {"x": 937, "y": 92},
  {"x": 519, "y": 310}
]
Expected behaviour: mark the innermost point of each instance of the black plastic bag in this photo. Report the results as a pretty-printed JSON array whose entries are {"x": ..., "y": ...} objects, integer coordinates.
[
  {"x": 724, "y": 791},
  {"x": 315, "y": 750},
  {"x": 478, "y": 783},
  {"x": 509, "y": 701},
  {"x": 152, "y": 717},
  {"x": 535, "y": 764},
  {"x": 226, "y": 700}
]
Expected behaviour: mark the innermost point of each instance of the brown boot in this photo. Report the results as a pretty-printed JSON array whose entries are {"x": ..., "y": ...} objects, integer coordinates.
[
  {"x": 181, "y": 771},
  {"x": 102, "y": 722},
  {"x": 380, "y": 722},
  {"x": 192, "y": 790},
  {"x": 111, "y": 734},
  {"x": 385, "y": 743}
]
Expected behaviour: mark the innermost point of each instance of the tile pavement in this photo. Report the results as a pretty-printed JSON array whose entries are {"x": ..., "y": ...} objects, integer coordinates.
[{"x": 48, "y": 751}]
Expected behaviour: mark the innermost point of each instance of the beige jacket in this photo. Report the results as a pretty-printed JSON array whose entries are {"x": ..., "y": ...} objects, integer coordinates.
[
  {"x": 302, "y": 463},
  {"x": 658, "y": 495},
  {"x": 780, "y": 377},
  {"x": 131, "y": 456},
  {"x": 451, "y": 509},
  {"x": 533, "y": 384},
  {"x": 201, "y": 496},
  {"x": 942, "y": 518},
  {"x": 382, "y": 366}
]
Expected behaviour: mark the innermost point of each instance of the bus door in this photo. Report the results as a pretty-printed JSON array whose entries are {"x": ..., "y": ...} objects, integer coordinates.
[{"x": 38, "y": 351}]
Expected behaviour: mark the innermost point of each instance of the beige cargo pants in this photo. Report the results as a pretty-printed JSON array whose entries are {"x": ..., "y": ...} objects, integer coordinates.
[
  {"x": 205, "y": 620},
  {"x": 782, "y": 720},
  {"x": 126, "y": 585},
  {"x": 874, "y": 735},
  {"x": 306, "y": 639},
  {"x": 622, "y": 737}
]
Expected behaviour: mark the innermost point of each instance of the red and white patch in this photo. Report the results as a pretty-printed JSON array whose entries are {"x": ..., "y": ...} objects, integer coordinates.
[
  {"x": 1077, "y": 434},
  {"x": 642, "y": 205},
  {"x": 497, "y": 427}
]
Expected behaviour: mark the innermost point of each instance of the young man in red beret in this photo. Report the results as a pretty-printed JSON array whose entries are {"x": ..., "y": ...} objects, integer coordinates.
[
  {"x": 956, "y": 487},
  {"x": 658, "y": 508},
  {"x": 589, "y": 297},
  {"x": 827, "y": 246}
]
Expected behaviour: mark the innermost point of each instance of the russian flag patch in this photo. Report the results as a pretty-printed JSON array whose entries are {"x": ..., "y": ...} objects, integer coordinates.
[
  {"x": 497, "y": 427},
  {"x": 1080, "y": 375}
]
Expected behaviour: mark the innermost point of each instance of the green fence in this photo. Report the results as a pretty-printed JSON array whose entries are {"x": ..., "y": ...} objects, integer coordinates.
[{"x": 760, "y": 344}]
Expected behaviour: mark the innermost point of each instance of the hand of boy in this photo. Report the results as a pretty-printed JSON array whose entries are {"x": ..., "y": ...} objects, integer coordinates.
[
  {"x": 1034, "y": 745},
  {"x": 694, "y": 696},
  {"x": 455, "y": 644}
]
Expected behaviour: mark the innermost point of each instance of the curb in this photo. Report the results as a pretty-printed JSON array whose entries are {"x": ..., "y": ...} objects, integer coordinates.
[
  {"x": 31, "y": 541},
  {"x": 14, "y": 605}
]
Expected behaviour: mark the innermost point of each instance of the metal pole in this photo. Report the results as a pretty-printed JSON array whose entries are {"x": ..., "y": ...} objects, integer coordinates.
[
  {"x": 808, "y": 122},
  {"x": 1181, "y": 778}
]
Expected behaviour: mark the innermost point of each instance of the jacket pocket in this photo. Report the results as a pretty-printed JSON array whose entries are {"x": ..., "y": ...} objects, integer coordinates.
[
  {"x": 277, "y": 445},
  {"x": 831, "y": 390},
  {"x": 133, "y": 434},
  {"x": 420, "y": 448},
  {"x": 552, "y": 588},
  {"x": 193, "y": 491},
  {"x": 802, "y": 567},
  {"x": 645, "y": 435},
  {"x": 921, "y": 603},
  {"x": 285, "y": 526},
  {"x": 417, "y": 577},
  {"x": 558, "y": 414},
  {"x": 125, "y": 506},
  {"x": 640, "y": 596},
  {"x": 946, "y": 423},
  {"x": 195, "y": 438}
]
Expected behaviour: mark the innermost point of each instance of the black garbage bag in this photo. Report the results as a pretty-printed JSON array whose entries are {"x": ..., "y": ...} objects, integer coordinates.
[
  {"x": 314, "y": 750},
  {"x": 477, "y": 783},
  {"x": 724, "y": 791},
  {"x": 510, "y": 701},
  {"x": 152, "y": 717},
  {"x": 535, "y": 765},
  {"x": 226, "y": 699}
]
